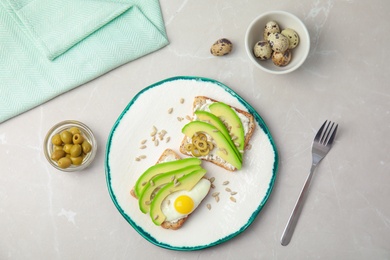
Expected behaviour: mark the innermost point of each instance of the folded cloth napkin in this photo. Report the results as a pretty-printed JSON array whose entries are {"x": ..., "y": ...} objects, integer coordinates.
[{"x": 48, "y": 47}]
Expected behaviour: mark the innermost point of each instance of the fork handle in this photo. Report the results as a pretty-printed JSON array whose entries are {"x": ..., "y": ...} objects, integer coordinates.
[{"x": 292, "y": 221}]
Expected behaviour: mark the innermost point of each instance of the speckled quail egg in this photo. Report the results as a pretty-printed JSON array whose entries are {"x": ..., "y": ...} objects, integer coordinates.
[
  {"x": 281, "y": 59},
  {"x": 292, "y": 37},
  {"x": 271, "y": 27},
  {"x": 221, "y": 47},
  {"x": 278, "y": 42},
  {"x": 262, "y": 50}
]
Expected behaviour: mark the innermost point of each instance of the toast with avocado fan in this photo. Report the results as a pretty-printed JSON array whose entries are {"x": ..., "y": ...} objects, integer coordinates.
[
  {"x": 225, "y": 129},
  {"x": 171, "y": 190}
]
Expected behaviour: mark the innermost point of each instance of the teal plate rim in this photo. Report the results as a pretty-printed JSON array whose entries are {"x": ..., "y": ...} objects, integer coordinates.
[{"x": 259, "y": 121}]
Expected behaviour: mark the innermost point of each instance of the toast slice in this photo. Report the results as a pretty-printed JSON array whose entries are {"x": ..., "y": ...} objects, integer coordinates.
[
  {"x": 169, "y": 155},
  {"x": 202, "y": 103}
]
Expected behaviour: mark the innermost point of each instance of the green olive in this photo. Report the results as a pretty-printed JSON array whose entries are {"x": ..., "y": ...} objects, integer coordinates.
[
  {"x": 77, "y": 160},
  {"x": 75, "y": 151},
  {"x": 56, "y": 139},
  {"x": 57, "y": 154},
  {"x": 66, "y": 137},
  {"x": 57, "y": 147},
  {"x": 78, "y": 139},
  {"x": 87, "y": 147},
  {"x": 74, "y": 130},
  {"x": 64, "y": 162},
  {"x": 67, "y": 148}
]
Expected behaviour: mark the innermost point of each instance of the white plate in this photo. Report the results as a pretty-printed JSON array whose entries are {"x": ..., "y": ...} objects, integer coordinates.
[{"x": 204, "y": 228}]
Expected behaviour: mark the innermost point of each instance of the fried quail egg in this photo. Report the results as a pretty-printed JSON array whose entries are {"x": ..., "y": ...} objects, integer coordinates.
[{"x": 180, "y": 204}]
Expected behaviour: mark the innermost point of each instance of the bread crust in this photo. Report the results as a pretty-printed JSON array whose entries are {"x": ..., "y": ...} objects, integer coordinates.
[
  {"x": 201, "y": 100},
  {"x": 167, "y": 224}
]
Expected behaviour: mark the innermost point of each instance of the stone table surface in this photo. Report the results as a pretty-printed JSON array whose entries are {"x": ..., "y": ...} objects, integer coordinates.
[{"x": 48, "y": 214}]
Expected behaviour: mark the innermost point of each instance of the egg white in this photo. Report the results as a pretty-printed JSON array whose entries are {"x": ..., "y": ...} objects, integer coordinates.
[{"x": 197, "y": 194}]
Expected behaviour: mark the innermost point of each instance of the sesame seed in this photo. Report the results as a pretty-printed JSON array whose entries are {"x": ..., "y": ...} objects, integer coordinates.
[
  {"x": 233, "y": 199},
  {"x": 208, "y": 206},
  {"x": 225, "y": 183},
  {"x": 170, "y": 110},
  {"x": 142, "y": 147}
]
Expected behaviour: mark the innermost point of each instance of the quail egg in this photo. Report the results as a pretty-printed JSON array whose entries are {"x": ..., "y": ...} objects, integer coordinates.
[
  {"x": 278, "y": 42},
  {"x": 221, "y": 47},
  {"x": 262, "y": 50},
  {"x": 281, "y": 59},
  {"x": 292, "y": 37},
  {"x": 271, "y": 27}
]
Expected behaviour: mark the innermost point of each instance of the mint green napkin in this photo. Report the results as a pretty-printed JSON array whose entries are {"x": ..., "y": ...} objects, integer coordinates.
[{"x": 48, "y": 47}]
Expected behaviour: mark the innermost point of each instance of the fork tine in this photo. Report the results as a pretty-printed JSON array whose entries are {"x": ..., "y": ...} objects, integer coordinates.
[
  {"x": 320, "y": 131},
  {"x": 326, "y": 133},
  {"x": 330, "y": 142}
]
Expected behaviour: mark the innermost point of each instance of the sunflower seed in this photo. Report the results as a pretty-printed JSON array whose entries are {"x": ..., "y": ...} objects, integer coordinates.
[{"x": 154, "y": 131}]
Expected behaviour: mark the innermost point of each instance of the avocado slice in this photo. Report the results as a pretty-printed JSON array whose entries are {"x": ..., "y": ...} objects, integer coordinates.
[
  {"x": 224, "y": 149},
  {"x": 158, "y": 182},
  {"x": 161, "y": 168},
  {"x": 186, "y": 182},
  {"x": 228, "y": 115},
  {"x": 215, "y": 121}
]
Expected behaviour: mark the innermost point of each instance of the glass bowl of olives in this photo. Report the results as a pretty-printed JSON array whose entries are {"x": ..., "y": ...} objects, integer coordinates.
[{"x": 70, "y": 146}]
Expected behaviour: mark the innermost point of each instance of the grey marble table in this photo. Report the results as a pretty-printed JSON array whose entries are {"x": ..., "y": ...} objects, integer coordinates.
[{"x": 47, "y": 214}]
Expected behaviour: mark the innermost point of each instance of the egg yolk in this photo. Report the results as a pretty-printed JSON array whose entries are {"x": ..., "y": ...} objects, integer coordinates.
[{"x": 184, "y": 204}]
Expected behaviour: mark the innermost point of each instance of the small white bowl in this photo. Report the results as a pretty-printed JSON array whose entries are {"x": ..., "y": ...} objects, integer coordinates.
[{"x": 285, "y": 20}]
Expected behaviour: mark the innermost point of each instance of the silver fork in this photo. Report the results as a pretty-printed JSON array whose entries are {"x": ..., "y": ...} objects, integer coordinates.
[{"x": 321, "y": 145}]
